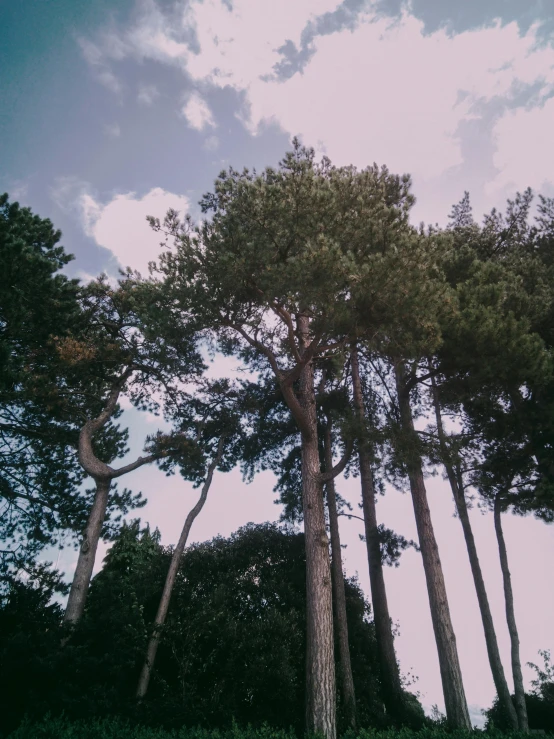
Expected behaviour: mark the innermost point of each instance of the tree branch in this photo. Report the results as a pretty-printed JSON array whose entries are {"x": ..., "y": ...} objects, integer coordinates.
[
  {"x": 136, "y": 464},
  {"x": 351, "y": 515},
  {"x": 338, "y": 468}
]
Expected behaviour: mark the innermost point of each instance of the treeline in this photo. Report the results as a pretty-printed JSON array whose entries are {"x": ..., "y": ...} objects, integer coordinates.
[{"x": 357, "y": 326}]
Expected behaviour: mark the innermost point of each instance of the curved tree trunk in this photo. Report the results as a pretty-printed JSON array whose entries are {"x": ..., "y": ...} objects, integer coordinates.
[
  {"x": 393, "y": 695},
  {"x": 519, "y": 691},
  {"x": 451, "y": 675},
  {"x": 163, "y": 607},
  {"x": 87, "y": 554},
  {"x": 103, "y": 475},
  {"x": 320, "y": 659},
  {"x": 457, "y": 487},
  {"x": 347, "y": 681}
]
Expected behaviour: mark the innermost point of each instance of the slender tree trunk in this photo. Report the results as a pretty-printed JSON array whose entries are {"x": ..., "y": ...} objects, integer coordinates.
[
  {"x": 87, "y": 554},
  {"x": 453, "y": 688},
  {"x": 457, "y": 487},
  {"x": 320, "y": 660},
  {"x": 519, "y": 691},
  {"x": 163, "y": 607},
  {"x": 393, "y": 695},
  {"x": 347, "y": 681}
]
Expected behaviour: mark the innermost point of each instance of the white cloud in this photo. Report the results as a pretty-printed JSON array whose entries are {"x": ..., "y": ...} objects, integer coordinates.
[
  {"x": 394, "y": 95},
  {"x": 85, "y": 276},
  {"x": 384, "y": 91},
  {"x": 239, "y": 44},
  {"x": 197, "y": 112},
  {"x": 524, "y": 154},
  {"x": 120, "y": 225}
]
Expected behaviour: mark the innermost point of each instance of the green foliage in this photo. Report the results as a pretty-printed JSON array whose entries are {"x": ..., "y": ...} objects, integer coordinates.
[
  {"x": 115, "y": 728},
  {"x": 540, "y": 712},
  {"x": 497, "y": 360},
  {"x": 35, "y": 300},
  {"x": 232, "y": 647},
  {"x": 41, "y": 493}
]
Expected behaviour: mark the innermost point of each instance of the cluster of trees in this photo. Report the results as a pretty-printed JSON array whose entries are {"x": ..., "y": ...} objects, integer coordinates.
[
  {"x": 233, "y": 646},
  {"x": 357, "y": 326}
]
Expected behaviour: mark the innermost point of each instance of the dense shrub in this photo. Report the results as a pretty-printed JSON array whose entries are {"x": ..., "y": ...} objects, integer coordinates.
[
  {"x": 110, "y": 728},
  {"x": 233, "y": 646}
]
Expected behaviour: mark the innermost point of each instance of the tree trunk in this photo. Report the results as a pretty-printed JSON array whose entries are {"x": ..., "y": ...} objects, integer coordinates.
[
  {"x": 451, "y": 675},
  {"x": 457, "y": 487},
  {"x": 163, "y": 607},
  {"x": 519, "y": 691},
  {"x": 320, "y": 660},
  {"x": 393, "y": 695},
  {"x": 347, "y": 681},
  {"x": 87, "y": 554}
]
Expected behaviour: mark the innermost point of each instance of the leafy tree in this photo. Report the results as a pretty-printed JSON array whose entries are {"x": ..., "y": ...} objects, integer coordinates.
[
  {"x": 269, "y": 273},
  {"x": 399, "y": 323},
  {"x": 339, "y": 595},
  {"x": 41, "y": 493},
  {"x": 495, "y": 359},
  {"x": 232, "y": 646},
  {"x": 539, "y": 702},
  {"x": 393, "y": 693},
  {"x": 29, "y": 639},
  {"x": 281, "y": 274},
  {"x": 128, "y": 346},
  {"x": 216, "y": 428},
  {"x": 448, "y": 455}
]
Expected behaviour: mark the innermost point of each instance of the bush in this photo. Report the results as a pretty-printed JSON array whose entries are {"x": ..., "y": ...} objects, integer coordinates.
[{"x": 114, "y": 728}]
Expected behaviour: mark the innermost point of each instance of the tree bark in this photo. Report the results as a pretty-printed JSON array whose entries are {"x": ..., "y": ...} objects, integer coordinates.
[
  {"x": 393, "y": 695},
  {"x": 347, "y": 681},
  {"x": 451, "y": 675},
  {"x": 519, "y": 691},
  {"x": 103, "y": 475},
  {"x": 163, "y": 607},
  {"x": 457, "y": 487},
  {"x": 320, "y": 661},
  {"x": 87, "y": 553}
]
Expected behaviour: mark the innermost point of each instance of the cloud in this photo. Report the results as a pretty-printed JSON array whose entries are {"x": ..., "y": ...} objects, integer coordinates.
[
  {"x": 366, "y": 88},
  {"x": 524, "y": 154},
  {"x": 98, "y": 60},
  {"x": 197, "y": 112},
  {"x": 210, "y": 40},
  {"x": 119, "y": 225},
  {"x": 392, "y": 94}
]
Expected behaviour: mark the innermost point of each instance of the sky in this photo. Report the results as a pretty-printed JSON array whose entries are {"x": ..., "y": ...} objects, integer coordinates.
[{"x": 112, "y": 110}]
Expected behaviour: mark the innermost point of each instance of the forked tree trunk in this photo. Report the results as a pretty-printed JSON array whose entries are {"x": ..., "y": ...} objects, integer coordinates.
[
  {"x": 451, "y": 675},
  {"x": 87, "y": 554},
  {"x": 393, "y": 695},
  {"x": 457, "y": 487},
  {"x": 103, "y": 475},
  {"x": 341, "y": 623},
  {"x": 161, "y": 615},
  {"x": 320, "y": 661},
  {"x": 519, "y": 691}
]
